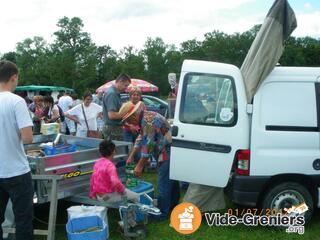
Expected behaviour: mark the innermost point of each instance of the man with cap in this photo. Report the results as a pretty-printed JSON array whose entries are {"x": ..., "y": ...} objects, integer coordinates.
[
  {"x": 111, "y": 105},
  {"x": 154, "y": 140}
]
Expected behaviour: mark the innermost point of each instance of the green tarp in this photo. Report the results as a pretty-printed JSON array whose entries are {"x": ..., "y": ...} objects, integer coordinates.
[{"x": 43, "y": 88}]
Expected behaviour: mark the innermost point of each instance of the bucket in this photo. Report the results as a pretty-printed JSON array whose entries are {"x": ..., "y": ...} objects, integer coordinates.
[{"x": 87, "y": 228}]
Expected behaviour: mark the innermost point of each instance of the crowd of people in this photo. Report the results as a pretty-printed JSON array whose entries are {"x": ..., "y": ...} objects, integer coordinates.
[{"x": 104, "y": 112}]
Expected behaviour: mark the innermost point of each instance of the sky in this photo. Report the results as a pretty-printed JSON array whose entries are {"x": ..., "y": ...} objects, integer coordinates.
[{"x": 123, "y": 23}]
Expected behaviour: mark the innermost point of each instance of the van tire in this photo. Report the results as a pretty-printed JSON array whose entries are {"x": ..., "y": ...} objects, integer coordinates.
[{"x": 287, "y": 194}]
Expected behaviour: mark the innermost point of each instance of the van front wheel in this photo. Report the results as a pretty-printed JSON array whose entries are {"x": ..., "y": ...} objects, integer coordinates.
[{"x": 286, "y": 195}]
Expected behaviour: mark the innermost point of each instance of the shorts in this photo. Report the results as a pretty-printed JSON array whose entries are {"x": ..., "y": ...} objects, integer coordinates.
[{"x": 113, "y": 132}]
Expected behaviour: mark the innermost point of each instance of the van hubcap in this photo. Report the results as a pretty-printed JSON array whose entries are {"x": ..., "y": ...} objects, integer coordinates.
[{"x": 286, "y": 199}]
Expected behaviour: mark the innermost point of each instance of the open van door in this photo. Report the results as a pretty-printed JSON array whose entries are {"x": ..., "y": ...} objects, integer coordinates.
[{"x": 210, "y": 123}]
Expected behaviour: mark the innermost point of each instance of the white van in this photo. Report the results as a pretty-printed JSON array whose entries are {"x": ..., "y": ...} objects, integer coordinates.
[{"x": 267, "y": 152}]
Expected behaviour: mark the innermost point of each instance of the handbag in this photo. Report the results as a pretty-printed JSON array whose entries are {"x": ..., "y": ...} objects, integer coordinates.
[
  {"x": 90, "y": 133},
  {"x": 94, "y": 134}
]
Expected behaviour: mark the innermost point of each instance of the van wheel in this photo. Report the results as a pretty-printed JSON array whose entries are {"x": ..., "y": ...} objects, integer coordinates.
[{"x": 286, "y": 195}]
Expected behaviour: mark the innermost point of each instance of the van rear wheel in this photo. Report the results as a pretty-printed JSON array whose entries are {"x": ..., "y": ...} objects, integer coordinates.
[{"x": 286, "y": 195}]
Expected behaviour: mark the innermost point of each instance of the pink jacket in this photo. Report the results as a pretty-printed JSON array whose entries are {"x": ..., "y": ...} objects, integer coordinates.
[{"x": 104, "y": 178}]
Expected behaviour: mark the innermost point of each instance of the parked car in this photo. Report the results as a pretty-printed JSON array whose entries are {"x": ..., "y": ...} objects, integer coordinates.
[{"x": 152, "y": 103}]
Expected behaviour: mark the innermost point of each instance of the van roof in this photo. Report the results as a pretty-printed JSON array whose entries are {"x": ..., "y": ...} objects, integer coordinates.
[
  {"x": 278, "y": 73},
  {"x": 296, "y": 72},
  {"x": 207, "y": 66}
]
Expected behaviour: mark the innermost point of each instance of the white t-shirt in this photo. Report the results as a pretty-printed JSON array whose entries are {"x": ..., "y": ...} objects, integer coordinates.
[
  {"x": 14, "y": 115},
  {"x": 54, "y": 111},
  {"x": 91, "y": 114},
  {"x": 65, "y": 102},
  {"x": 76, "y": 102}
]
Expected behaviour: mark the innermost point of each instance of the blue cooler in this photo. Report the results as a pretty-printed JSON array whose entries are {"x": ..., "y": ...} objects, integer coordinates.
[
  {"x": 87, "y": 228},
  {"x": 141, "y": 188}
]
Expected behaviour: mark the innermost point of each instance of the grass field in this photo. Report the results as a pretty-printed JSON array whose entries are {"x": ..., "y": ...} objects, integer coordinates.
[{"x": 164, "y": 231}]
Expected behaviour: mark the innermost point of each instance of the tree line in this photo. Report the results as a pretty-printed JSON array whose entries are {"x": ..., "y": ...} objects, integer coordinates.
[{"x": 73, "y": 60}]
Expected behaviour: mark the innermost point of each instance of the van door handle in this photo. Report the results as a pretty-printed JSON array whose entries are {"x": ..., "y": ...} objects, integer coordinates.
[{"x": 175, "y": 131}]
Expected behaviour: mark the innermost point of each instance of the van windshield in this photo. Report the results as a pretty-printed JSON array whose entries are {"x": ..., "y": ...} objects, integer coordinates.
[{"x": 208, "y": 100}]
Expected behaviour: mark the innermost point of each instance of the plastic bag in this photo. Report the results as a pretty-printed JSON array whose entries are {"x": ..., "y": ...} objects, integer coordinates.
[{"x": 86, "y": 211}]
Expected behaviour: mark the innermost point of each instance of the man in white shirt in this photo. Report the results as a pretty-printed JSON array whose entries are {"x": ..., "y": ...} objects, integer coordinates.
[
  {"x": 15, "y": 175},
  {"x": 65, "y": 103}
]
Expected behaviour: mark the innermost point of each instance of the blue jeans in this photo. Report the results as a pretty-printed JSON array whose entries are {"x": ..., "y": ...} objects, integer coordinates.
[
  {"x": 169, "y": 191},
  {"x": 20, "y": 190},
  {"x": 129, "y": 137}
]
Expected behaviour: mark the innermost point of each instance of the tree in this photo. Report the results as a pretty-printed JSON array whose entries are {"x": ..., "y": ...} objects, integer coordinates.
[
  {"x": 132, "y": 62},
  {"x": 75, "y": 54},
  {"x": 107, "y": 64},
  {"x": 10, "y": 56},
  {"x": 156, "y": 70},
  {"x": 31, "y": 58},
  {"x": 192, "y": 49},
  {"x": 311, "y": 51},
  {"x": 174, "y": 60},
  {"x": 73, "y": 60}
]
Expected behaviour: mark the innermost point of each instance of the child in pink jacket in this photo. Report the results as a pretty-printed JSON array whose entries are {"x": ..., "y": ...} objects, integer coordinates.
[{"x": 105, "y": 184}]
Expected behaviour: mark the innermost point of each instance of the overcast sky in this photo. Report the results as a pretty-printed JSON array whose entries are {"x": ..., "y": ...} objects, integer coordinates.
[{"x": 121, "y": 23}]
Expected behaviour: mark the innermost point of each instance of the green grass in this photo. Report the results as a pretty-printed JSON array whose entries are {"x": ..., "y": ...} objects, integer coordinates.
[{"x": 164, "y": 231}]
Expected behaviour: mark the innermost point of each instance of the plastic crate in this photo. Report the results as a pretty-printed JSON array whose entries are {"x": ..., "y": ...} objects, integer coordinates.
[
  {"x": 76, "y": 228},
  {"x": 141, "y": 188},
  {"x": 48, "y": 150}
]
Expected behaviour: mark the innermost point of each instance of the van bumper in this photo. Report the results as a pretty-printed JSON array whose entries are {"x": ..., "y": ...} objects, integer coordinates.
[{"x": 245, "y": 190}]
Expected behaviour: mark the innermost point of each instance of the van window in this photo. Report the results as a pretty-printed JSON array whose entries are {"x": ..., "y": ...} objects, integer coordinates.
[{"x": 208, "y": 100}]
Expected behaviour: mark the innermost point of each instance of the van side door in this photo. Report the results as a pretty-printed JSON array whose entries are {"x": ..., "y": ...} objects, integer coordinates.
[{"x": 285, "y": 127}]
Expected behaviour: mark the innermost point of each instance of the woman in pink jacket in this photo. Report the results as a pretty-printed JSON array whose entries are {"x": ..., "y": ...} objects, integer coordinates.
[{"x": 105, "y": 184}]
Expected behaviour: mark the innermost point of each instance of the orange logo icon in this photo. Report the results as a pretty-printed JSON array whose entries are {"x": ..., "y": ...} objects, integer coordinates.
[{"x": 186, "y": 218}]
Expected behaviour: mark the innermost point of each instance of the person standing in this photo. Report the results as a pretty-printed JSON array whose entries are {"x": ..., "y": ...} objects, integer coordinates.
[
  {"x": 75, "y": 100},
  {"x": 155, "y": 141},
  {"x": 97, "y": 99},
  {"x": 15, "y": 175},
  {"x": 85, "y": 115},
  {"x": 52, "y": 111},
  {"x": 65, "y": 103},
  {"x": 37, "y": 113},
  {"x": 131, "y": 131},
  {"x": 111, "y": 105}
]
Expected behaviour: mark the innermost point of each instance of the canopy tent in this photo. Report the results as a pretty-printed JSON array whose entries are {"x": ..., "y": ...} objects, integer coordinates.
[
  {"x": 142, "y": 84},
  {"x": 43, "y": 88}
]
